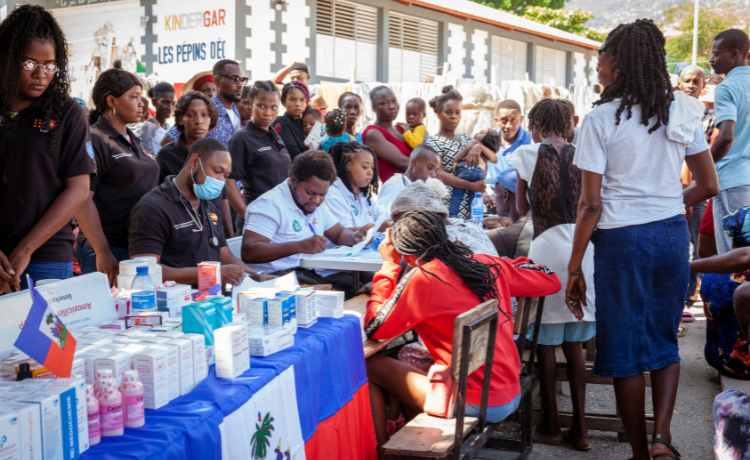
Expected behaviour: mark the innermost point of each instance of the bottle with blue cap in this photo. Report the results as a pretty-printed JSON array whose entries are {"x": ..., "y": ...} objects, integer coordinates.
[
  {"x": 143, "y": 291},
  {"x": 477, "y": 210}
]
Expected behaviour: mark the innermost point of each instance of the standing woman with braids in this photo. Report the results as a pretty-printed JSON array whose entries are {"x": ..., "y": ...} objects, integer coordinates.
[
  {"x": 45, "y": 153},
  {"x": 295, "y": 98},
  {"x": 632, "y": 208},
  {"x": 351, "y": 104},
  {"x": 124, "y": 173},
  {"x": 445, "y": 281},
  {"x": 351, "y": 198}
]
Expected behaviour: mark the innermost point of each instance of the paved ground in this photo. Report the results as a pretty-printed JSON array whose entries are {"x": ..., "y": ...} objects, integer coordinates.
[{"x": 692, "y": 426}]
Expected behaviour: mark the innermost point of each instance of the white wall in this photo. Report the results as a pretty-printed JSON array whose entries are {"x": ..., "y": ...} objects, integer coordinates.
[{"x": 258, "y": 39}]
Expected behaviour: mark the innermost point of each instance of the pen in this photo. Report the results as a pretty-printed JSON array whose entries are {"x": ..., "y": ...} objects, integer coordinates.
[{"x": 312, "y": 229}]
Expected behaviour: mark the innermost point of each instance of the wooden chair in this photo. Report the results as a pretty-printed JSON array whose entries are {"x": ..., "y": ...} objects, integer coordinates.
[{"x": 462, "y": 437}]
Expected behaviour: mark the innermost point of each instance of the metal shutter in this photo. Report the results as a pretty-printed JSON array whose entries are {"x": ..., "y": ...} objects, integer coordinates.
[
  {"x": 347, "y": 35},
  {"x": 509, "y": 58},
  {"x": 412, "y": 48},
  {"x": 551, "y": 66}
]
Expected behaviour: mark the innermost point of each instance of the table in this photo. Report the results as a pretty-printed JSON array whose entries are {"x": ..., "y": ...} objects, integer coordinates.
[
  {"x": 359, "y": 305},
  {"x": 366, "y": 261}
]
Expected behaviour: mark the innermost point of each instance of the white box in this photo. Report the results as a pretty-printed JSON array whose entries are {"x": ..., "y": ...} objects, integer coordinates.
[
  {"x": 307, "y": 311},
  {"x": 232, "y": 353},
  {"x": 49, "y": 410},
  {"x": 117, "y": 362},
  {"x": 210, "y": 356},
  {"x": 101, "y": 342},
  {"x": 152, "y": 373},
  {"x": 148, "y": 319},
  {"x": 199, "y": 357},
  {"x": 269, "y": 340},
  {"x": 89, "y": 374},
  {"x": 135, "y": 330},
  {"x": 186, "y": 364},
  {"x": 330, "y": 304},
  {"x": 83, "y": 425},
  {"x": 30, "y": 428},
  {"x": 69, "y": 418},
  {"x": 113, "y": 324},
  {"x": 173, "y": 368},
  {"x": 166, "y": 327},
  {"x": 158, "y": 339},
  {"x": 172, "y": 335},
  {"x": 254, "y": 307},
  {"x": 126, "y": 340},
  {"x": 10, "y": 435},
  {"x": 282, "y": 312},
  {"x": 238, "y": 318},
  {"x": 172, "y": 298}
]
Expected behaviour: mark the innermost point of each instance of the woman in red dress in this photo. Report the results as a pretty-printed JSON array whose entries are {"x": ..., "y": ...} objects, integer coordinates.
[{"x": 383, "y": 137}]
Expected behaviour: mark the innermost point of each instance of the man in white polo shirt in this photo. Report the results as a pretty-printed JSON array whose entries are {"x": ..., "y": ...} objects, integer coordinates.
[{"x": 290, "y": 220}]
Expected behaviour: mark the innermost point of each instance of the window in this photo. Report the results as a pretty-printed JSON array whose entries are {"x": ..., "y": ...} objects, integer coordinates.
[
  {"x": 412, "y": 48},
  {"x": 551, "y": 66},
  {"x": 347, "y": 36},
  {"x": 509, "y": 58}
]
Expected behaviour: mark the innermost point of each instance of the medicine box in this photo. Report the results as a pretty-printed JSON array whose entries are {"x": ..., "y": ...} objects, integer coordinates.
[
  {"x": 68, "y": 418},
  {"x": 232, "y": 352},
  {"x": 307, "y": 313},
  {"x": 200, "y": 369},
  {"x": 79, "y": 385},
  {"x": 172, "y": 335},
  {"x": 29, "y": 426},
  {"x": 167, "y": 327},
  {"x": 281, "y": 313},
  {"x": 265, "y": 341},
  {"x": 172, "y": 298},
  {"x": 118, "y": 362},
  {"x": 223, "y": 311},
  {"x": 149, "y": 319},
  {"x": 185, "y": 350},
  {"x": 254, "y": 308},
  {"x": 199, "y": 318},
  {"x": 173, "y": 368},
  {"x": 49, "y": 411},
  {"x": 330, "y": 304},
  {"x": 10, "y": 434},
  {"x": 135, "y": 330},
  {"x": 152, "y": 373}
]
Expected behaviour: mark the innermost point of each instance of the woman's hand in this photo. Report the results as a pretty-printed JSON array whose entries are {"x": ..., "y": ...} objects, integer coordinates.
[
  {"x": 478, "y": 186},
  {"x": 387, "y": 251},
  {"x": 361, "y": 234},
  {"x": 489, "y": 200},
  {"x": 575, "y": 293},
  {"x": 107, "y": 263}
]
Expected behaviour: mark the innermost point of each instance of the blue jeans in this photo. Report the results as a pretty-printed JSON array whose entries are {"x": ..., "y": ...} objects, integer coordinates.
[
  {"x": 87, "y": 257},
  {"x": 725, "y": 203},
  {"x": 495, "y": 413},
  {"x": 47, "y": 271},
  {"x": 457, "y": 194}
]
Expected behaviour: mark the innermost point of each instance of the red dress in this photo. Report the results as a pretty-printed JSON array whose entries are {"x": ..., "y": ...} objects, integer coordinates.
[{"x": 385, "y": 169}]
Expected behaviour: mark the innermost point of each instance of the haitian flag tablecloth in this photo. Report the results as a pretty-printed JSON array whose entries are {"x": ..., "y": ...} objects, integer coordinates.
[{"x": 310, "y": 401}]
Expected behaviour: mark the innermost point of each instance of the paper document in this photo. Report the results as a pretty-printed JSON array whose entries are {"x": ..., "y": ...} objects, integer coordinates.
[
  {"x": 350, "y": 251},
  {"x": 286, "y": 282}
]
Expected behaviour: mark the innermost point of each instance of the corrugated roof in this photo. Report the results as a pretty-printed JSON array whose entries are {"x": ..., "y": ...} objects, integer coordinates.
[{"x": 467, "y": 10}]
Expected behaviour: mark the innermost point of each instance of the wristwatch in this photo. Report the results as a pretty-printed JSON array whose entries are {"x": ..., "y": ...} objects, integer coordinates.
[{"x": 257, "y": 274}]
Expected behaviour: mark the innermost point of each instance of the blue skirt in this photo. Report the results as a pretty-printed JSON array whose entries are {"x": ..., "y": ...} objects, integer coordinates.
[{"x": 641, "y": 277}]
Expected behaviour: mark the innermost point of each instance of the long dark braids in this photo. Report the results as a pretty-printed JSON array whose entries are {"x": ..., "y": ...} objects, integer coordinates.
[
  {"x": 551, "y": 116},
  {"x": 24, "y": 24},
  {"x": 638, "y": 49},
  {"x": 343, "y": 153},
  {"x": 423, "y": 234}
]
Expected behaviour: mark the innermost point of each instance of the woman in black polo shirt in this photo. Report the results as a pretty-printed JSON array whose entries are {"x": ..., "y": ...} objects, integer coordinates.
[
  {"x": 125, "y": 172},
  {"x": 295, "y": 98},
  {"x": 44, "y": 164}
]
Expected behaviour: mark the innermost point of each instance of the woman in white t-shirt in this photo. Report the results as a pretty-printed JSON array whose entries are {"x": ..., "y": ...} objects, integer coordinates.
[
  {"x": 351, "y": 198},
  {"x": 632, "y": 208}
]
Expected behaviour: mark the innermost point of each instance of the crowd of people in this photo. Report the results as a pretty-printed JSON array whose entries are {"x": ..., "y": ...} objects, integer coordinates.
[{"x": 606, "y": 211}]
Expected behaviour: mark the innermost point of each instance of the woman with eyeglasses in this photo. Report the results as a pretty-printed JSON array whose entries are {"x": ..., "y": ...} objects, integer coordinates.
[
  {"x": 44, "y": 159},
  {"x": 124, "y": 173}
]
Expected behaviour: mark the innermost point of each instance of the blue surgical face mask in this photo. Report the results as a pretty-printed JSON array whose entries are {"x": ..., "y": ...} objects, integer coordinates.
[{"x": 210, "y": 188}]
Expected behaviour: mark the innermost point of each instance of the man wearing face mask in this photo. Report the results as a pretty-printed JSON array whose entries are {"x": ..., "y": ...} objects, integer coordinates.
[{"x": 178, "y": 223}]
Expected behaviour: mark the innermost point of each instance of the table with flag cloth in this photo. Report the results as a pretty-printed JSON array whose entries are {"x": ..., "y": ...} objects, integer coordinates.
[{"x": 309, "y": 401}]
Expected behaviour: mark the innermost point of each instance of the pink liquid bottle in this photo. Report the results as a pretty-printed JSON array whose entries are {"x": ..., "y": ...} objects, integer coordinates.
[
  {"x": 100, "y": 375},
  {"x": 110, "y": 408},
  {"x": 132, "y": 396},
  {"x": 92, "y": 408}
]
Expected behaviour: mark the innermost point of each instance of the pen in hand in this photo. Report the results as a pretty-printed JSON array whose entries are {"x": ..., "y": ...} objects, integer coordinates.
[{"x": 312, "y": 229}]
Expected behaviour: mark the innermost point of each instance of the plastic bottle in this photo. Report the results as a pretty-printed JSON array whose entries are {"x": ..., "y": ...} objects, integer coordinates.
[
  {"x": 24, "y": 372},
  {"x": 110, "y": 409},
  {"x": 101, "y": 374},
  {"x": 477, "y": 210},
  {"x": 143, "y": 291},
  {"x": 132, "y": 395},
  {"x": 92, "y": 409}
]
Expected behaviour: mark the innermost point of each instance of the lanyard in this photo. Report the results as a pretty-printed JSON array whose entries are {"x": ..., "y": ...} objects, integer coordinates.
[{"x": 196, "y": 219}]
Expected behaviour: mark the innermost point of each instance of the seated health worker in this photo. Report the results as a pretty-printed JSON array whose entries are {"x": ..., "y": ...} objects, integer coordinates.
[
  {"x": 352, "y": 196},
  {"x": 178, "y": 223},
  {"x": 291, "y": 219}
]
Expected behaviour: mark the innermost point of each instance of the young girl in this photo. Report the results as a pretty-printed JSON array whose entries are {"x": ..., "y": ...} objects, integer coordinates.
[
  {"x": 352, "y": 197},
  {"x": 335, "y": 124},
  {"x": 309, "y": 118},
  {"x": 550, "y": 185},
  {"x": 487, "y": 140},
  {"x": 295, "y": 98},
  {"x": 45, "y": 151}
]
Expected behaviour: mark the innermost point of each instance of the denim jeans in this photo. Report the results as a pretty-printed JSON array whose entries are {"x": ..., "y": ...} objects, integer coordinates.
[
  {"x": 47, "y": 271},
  {"x": 725, "y": 203},
  {"x": 694, "y": 224},
  {"x": 494, "y": 413},
  {"x": 457, "y": 194},
  {"x": 87, "y": 257}
]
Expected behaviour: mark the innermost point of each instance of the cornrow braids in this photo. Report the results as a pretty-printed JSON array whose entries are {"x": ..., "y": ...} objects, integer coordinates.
[
  {"x": 24, "y": 24},
  {"x": 551, "y": 116},
  {"x": 261, "y": 86},
  {"x": 344, "y": 153},
  {"x": 638, "y": 50},
  {"x": 423, "y": 234},
  {"x": 335, "y": 122},
  {"x": 295, "y": 84}
]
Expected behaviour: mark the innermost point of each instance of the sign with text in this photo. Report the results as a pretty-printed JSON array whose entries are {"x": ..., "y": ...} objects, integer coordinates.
[{"x": 191, "y": 37}]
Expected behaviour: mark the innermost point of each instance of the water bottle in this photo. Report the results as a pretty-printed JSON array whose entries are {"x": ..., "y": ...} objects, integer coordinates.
[
  {"x": 477, "y": 210},
  {"x": 143, "y": 292}
]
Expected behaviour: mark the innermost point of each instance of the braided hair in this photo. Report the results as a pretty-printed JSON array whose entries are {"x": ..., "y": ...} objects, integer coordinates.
[
  {"x": 335, "y": 122},
  {"x": 551, "y": 116},
  {"x": 344, "y": 153},
  {"x": 638, "y": 50},
  {"x": 260, "y": 86},
  {"x": 295, "y": 84},
  {"x": 24, "y": 24},
  {"x": 423, "y": 234}
]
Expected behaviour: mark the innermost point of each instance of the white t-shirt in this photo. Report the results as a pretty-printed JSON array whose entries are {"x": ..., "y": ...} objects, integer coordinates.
[
  {"x": 388, "y": 192},
  {"x": 524, "y": 159},
  {"x": 233, "y": 118},
  {"x": 349, "y": 209},
  {"x": 276, "y": 216},
  {"x": 641, "y": 182}
]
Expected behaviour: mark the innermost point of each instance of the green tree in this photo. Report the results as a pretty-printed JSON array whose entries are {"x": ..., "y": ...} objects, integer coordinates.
[
  {"x": 518, "y": 7},
  {"x": 259, "y": 441},
  {"x": 570, "y": 21},
  {"x": 711, "y": 21}
]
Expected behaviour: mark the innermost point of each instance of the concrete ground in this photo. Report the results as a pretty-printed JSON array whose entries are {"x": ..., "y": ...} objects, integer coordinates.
[{"x": 692, "y": 425}]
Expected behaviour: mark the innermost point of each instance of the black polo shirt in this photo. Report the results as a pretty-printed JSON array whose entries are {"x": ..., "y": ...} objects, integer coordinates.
[
  {"x": 259, "y": 160},
  {"x": 160, "y": 224},
  {"x": 124, "y": 173},
  {"x": 33, "y": 177},
  {"x": 171, "y": 159}
]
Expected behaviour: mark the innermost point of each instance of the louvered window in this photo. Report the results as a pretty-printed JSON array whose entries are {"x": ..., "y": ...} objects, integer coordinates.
[
  {"x": 509, "y": 58},
  {"x": 412, "y": 48},
  {"x": 347, "y": 36},
  {"x": 551, "y": 66}
]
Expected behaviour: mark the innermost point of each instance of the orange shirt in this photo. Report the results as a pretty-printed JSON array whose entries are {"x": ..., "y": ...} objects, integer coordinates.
[{"x": 430, "y": 307}]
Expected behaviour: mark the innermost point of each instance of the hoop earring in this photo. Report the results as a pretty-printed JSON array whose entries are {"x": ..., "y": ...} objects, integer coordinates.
[{"x": 113, "y": 112}]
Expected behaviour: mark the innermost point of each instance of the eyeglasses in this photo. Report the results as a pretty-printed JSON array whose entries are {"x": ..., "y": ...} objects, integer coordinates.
[
  {"x": 31, "y": 66},
  {"x": 234, "y": 78}
]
